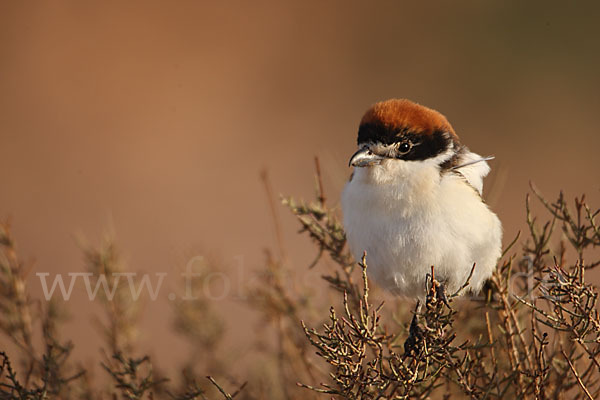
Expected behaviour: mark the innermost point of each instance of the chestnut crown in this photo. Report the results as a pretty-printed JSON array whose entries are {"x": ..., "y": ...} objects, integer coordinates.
[{"x": 400, "y": 128}]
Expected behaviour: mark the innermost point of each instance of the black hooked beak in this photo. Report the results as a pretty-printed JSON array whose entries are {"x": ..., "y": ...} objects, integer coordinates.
[{"x": 364, "y": 158}]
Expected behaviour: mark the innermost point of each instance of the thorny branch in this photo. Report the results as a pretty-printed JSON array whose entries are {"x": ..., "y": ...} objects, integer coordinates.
[
  {"x": 534, "y": 332},
  {"x": 523, "y": 346}
]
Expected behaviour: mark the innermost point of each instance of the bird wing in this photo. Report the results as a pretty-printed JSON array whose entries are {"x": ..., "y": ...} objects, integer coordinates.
[{"x": 474, "y": 168}]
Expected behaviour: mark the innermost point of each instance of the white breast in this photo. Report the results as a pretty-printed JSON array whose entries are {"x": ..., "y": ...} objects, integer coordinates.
[{"x": 408, "y": 217}]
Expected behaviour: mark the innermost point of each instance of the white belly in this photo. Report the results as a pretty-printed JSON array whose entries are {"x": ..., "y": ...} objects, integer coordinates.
[{"x": 407, "y": 227}]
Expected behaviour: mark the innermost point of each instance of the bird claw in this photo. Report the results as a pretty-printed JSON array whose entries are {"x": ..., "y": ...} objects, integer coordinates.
[
  {"x": 437, "y": 291},
  {"x": 442, "y": 295}
]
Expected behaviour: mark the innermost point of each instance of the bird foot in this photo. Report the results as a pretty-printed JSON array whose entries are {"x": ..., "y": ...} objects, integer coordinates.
[
  {"x": 442, "y": 294},
  {"x": 437, "y": 291}
]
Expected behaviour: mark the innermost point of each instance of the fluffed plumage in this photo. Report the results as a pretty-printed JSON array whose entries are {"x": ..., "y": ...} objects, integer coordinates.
[{"x": 414, "y": 201}]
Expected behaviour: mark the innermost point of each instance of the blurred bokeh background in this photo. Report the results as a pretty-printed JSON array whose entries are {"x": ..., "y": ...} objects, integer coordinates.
[{"x": 153, "y": 120}]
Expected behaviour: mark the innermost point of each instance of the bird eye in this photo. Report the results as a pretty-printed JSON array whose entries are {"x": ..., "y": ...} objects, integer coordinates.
[{"x": 404, "y": 147}]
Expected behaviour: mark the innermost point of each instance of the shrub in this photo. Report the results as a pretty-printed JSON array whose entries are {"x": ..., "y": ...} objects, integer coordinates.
[{"x": 534, "y": 332}]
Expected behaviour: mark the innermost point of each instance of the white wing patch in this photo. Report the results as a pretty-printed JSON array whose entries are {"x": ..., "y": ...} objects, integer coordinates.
[{"x": 474, "y": 168}]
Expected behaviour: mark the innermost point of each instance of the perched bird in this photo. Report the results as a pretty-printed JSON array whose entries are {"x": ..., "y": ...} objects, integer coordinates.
[{"x": 414, "y": 201}]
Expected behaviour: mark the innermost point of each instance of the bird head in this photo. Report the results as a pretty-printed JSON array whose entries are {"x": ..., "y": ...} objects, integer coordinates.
[{"x": 400, "y": 130}]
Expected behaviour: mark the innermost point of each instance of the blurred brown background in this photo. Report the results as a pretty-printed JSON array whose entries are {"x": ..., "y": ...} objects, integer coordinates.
[{"x": 153, "y": 119}]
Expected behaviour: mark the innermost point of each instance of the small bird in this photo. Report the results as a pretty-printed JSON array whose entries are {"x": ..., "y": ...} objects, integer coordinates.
[{"x": 414, "y": 201}]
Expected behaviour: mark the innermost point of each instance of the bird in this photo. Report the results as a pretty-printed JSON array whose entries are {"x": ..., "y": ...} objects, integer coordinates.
[{"x": 414, "y": 201}]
